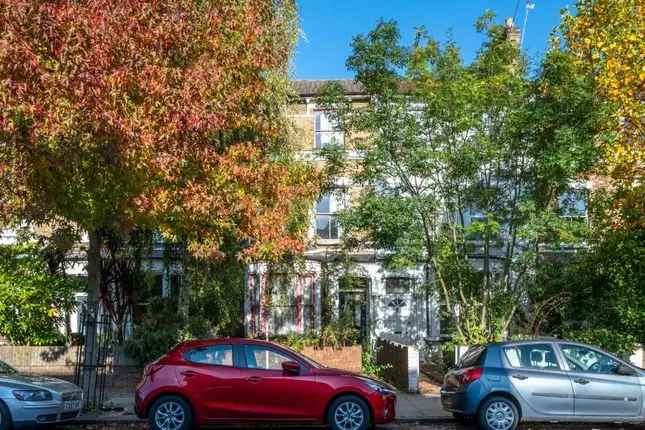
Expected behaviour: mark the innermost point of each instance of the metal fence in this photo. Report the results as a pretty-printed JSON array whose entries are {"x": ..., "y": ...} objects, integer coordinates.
[{"x": 95, "y": 355}]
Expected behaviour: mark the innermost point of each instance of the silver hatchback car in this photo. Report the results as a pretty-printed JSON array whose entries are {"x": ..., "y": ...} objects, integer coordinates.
[
  {"x": 501, "y": 384},
  {"x": 29, "y": 400}
]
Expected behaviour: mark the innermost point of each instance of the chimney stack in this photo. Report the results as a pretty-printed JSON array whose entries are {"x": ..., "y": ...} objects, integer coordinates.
[{"x": 512, "y": 32}]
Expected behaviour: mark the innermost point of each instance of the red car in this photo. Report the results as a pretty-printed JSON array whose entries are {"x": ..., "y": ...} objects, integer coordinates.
[{"x": 232, "y": 380}]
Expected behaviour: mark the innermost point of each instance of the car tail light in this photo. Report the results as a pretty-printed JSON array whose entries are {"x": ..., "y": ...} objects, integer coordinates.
[{"x": 470, "y": 375}]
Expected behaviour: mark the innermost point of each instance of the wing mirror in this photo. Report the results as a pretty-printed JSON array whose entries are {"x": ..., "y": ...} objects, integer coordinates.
[
  {"x": 291, "y": 367},
  {"x": 624, "y": 370}
]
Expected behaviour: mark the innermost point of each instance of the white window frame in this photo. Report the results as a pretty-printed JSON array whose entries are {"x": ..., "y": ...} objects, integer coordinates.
[
  {"x": 325, "y": 132},
  {"x": 335, "y": 205}
]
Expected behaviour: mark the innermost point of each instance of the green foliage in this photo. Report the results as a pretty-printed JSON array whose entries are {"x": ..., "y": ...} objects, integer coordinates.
[
  {"x": 33, "y": 302},
  {"x": 217, "y": 292},
  {"x": 604, "y": 300},
  {"x": 298, "y": 342},
  {"x": 443, "y": 141},
  {"x": 370, "y": 367},
  {"x": 160, "y": 329},
  {"x": 214, "y": 293},
  {"x": 334, "y": 335},
  {"x": 339, "y": 334}
]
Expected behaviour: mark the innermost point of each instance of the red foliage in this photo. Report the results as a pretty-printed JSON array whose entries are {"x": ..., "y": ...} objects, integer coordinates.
[{"x": 159, "y": 112}]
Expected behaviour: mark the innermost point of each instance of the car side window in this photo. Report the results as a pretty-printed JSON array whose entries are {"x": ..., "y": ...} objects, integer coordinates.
[
  {"x": 532, "y": 356},
  {"x": 218, "y": 355},
  {"x": 581, "y": 359},
  {"x": 259, "y": 357}
]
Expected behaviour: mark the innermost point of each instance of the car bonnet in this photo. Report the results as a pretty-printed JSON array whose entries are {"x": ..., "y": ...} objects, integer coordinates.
[{"x": 18, "y": 381}]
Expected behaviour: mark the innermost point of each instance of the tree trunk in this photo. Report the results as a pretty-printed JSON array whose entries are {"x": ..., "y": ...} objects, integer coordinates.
[
  {"x": 183, "y": 301},
  {"x": 427, "y": 274},
  {"x": 88, "y": 380}
]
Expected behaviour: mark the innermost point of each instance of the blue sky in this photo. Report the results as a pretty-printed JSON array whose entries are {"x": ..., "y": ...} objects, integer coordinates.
[{"x": 329, "y": 25}]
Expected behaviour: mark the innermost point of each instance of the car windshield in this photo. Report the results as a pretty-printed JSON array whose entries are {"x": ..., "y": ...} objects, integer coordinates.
[{"x": 5, "y": 369}]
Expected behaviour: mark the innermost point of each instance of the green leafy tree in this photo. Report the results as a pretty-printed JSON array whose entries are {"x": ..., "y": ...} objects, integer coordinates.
[
  {"x": 442, "y": 141},
  {"x": 33, "y": 301},
  {"x": 599, "y": 292}
]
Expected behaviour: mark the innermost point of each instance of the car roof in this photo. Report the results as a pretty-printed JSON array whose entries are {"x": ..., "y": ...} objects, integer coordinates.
[
  {"x": 197, "y": 343},
  {"x": 539, "y": 339}
]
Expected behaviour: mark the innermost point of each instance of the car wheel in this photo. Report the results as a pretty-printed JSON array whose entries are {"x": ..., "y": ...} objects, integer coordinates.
[
  {"x": 348, "y": 413},
  {"x": 498, "y": 413},
  {"x": 170, "y": 413},
  {"x": 5, "y": 417},
  {"x": 462, "y": 418}
]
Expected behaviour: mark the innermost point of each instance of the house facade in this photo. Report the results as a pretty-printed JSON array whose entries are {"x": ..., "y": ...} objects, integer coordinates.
[{"x": 327, "y": 283}]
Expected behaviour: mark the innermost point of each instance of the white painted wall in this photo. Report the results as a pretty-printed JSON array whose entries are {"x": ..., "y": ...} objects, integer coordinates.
[
  {"x": 382, "y": 317},
  {"x": 7, "y": 237},
  {"x": 638, "y": 357}
]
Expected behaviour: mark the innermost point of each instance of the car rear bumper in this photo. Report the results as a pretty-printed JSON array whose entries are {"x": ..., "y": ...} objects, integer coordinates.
[
  {"x": 458, "y": 402},
  {"x": 139, "y": 408}
]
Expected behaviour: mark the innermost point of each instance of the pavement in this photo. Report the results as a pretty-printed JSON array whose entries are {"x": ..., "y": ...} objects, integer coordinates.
[{"x": 420, "y": 407}]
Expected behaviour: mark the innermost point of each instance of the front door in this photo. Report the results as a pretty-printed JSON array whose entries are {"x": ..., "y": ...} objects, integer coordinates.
[
  {"x": 539, "y": 379},
  {"x": 598, "y": 389},
  {"x": 269, "y": 393},
  {"x": 353, "y": 303}
]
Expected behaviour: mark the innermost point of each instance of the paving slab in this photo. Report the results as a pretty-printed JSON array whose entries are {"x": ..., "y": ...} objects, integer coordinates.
[{"x": 419, "y": 407}]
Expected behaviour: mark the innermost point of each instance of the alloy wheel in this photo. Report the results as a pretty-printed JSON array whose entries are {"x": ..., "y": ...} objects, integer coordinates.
[
  {"x": 349, "y": 416},
  {"x": 170, "y": 416},
  {"x": 500, "y": 416}
]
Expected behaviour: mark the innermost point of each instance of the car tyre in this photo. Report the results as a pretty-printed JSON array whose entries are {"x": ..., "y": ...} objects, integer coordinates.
[
  {"x": 5, "y": 417},
  {"x": 348, "y": 413},
  {"x": 170, "y": 413},
  {"x": 498, "y": 413}
]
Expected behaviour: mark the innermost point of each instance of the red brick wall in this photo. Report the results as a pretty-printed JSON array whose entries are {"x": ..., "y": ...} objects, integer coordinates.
[
  {"x": 60, "y": 362},
  {"x": 346, "y": 358}
]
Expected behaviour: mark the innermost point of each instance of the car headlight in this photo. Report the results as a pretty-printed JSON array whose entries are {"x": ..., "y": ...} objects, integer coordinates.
[
  {"x": 32, "y": 395},
  {"x": 376, "y": 386}
]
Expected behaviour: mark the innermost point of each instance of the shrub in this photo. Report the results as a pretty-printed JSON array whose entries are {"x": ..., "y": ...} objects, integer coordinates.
[
  {"x": 33, "y": 302},
  {"x": 339, "y": 334},
  {"x": 160, "y": 329},
  {"x": 335, "y": 335},
  {"x": 370, "y": 367}
]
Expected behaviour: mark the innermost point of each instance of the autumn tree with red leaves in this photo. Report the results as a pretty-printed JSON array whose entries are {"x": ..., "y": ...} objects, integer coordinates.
[{"x": 166, "y": 114}]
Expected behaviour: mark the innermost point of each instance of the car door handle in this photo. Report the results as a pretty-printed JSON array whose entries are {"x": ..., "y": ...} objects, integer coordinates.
[
  {"x": 254, "y": 379},
  {"x": 520, "y": 377},
  {"x": 188, "y": 373},
  {"x": 581, "y": 381}
]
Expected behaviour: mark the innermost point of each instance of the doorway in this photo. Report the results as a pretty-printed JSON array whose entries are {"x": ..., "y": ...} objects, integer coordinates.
[{"x": 353, "y": 303}]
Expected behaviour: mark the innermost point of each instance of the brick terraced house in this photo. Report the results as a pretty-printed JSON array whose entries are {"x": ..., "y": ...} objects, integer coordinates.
[{"x": 323, "y": 286}]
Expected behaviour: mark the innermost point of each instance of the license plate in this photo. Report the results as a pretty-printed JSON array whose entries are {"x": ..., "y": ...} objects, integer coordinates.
[{"x": 71, "y": 405}]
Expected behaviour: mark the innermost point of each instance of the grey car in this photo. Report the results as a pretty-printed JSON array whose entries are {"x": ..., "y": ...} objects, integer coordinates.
[
  {"x": 500, "y": 384},
  {"x": 29, "y": 400}
]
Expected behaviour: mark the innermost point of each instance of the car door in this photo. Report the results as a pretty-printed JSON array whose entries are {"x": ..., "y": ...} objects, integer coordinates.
[
  {"x": 597, "y": 387},
  {"x": 272, "y": 394},
  {"x": 537, "y": 375},
  {"x": 210, "y": 379}
]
